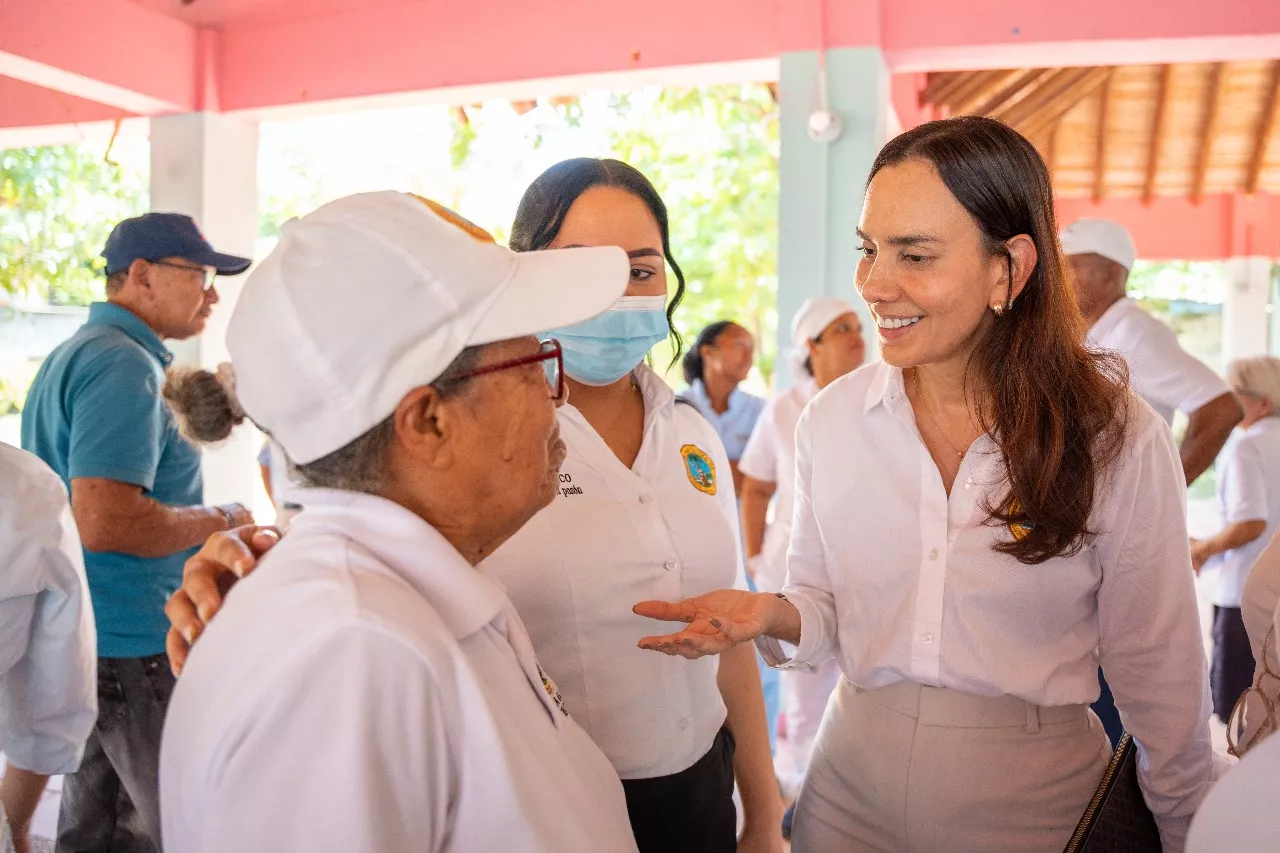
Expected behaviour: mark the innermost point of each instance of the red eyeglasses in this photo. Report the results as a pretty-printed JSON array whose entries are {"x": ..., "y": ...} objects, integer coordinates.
[{"x": 550, "y": 356}]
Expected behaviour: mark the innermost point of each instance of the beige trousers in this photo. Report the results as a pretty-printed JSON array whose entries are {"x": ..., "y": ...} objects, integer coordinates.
[{"x": 914, "y": 769}]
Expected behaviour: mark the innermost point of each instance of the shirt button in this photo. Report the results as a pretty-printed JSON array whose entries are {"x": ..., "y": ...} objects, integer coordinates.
[
  {"x": 684, "y": 723},
  {"x": 926, "y": 637},
  {"x": 671, "y": 565},
  {"x": 933, "y": 555}
]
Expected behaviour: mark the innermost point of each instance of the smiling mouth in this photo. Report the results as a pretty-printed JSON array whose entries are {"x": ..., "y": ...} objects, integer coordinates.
[{"x": 897, "y": 322}]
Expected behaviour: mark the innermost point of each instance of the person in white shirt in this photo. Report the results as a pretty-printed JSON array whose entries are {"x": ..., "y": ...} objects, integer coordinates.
[
  {"x": 828, "y": 345},
  {"x": 1101, "y": 254},
  {"x": 48, "y": 645},
  {"x": 979, "y": 519},
  {"x": 1238, "y": 815},
  {"x": 1249, "y": 497},
  {"x": 367, "y": 688},
  {"x": 1259, "y": 716},
  {"x": 644, "y": 507}
]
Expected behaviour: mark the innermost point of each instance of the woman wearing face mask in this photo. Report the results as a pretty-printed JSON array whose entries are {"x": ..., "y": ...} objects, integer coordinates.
[
  {"x": 714, "y": 366},
  {"x": 828, "y": 344},
  {"x": 645, "y": 508},
  {"x": 978, "y": 520}
]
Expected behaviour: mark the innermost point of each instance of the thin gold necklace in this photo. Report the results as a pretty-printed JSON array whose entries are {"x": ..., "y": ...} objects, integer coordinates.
[{"x": 928, "y": 410}]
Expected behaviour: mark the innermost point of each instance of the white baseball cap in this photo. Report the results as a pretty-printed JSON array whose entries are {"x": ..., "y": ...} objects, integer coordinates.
[
  {"x": 1102, "y": 237},
  {"x": 373, "y": 295}
]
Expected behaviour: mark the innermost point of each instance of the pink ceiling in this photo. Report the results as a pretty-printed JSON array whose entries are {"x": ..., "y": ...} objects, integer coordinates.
[
  {"x": 27, "y": 105},
  {"x": 222, "y": 13}
]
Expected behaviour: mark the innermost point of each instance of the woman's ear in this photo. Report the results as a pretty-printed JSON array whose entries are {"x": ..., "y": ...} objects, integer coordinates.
[{"x": 1020, "y": 262}]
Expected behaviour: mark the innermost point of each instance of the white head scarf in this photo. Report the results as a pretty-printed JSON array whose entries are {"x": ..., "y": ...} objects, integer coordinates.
[{"x": 814, "y": 315}]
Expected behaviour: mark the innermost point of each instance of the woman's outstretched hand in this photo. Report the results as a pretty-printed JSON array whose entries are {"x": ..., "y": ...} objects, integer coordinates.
[{"x": 716, "y": 622}]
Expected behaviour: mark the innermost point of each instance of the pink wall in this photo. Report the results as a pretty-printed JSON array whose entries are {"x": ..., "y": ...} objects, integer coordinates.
[{"x": 1173, "y": 228}]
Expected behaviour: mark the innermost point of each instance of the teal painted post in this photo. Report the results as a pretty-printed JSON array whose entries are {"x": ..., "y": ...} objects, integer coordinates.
[{"x": 821, "y": 185}]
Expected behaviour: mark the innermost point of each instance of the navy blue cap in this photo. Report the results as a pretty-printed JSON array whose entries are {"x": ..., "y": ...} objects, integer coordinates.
[{"x": 154, "y": 236}]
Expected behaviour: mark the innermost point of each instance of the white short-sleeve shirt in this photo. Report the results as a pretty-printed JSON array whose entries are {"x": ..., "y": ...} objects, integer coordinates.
[
  {"x": 666, "y": 529},
  {"x": 771, "y": 458},
  {"x": 1248, "y": 490},
  {"x": 1160, "y": 370},
  {"x": 367, "y": 689},
  {"x": 898, "y": 579},
  {"x": 48, "y": 646}
]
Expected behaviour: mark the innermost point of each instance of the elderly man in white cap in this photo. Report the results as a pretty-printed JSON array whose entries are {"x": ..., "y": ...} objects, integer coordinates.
[
  {"x": 366, "y": 688},
  {"x": 827, "y": 344},
  {"x": 1101, "y": 254}
]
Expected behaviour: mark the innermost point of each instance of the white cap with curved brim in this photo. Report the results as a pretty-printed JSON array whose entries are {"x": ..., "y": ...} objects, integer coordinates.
[
  {"x": 814, "y": 315},
  {"x": 1093, "y": 236},
  {"x": 376, "y": 294}
]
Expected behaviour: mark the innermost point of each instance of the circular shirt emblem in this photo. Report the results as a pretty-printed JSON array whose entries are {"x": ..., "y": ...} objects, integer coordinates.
[{"x": 700, "y": 468}]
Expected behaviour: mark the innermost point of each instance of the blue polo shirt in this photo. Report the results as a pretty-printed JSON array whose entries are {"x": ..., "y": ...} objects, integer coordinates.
[
  {"x": 95, "y": 410},
  {"x": 735, "y": 425}
]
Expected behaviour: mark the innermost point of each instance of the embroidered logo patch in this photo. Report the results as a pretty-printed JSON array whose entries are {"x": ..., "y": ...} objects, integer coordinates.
[
  {"x": 552, "y": 691},
  {"x": 700, "y": 468},
  {"x": 454, "y": 219},
  {"x": 1021, "y": 528}
]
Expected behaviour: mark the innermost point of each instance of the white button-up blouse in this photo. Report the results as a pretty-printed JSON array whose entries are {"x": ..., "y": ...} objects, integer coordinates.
[{"x": 899, "y": 581}]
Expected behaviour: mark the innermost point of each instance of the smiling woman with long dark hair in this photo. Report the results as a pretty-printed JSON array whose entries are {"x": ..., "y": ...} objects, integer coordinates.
[{"x": 979, "y": 520}]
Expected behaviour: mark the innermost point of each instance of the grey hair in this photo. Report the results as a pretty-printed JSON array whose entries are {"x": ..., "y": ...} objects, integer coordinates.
[
  {"x": 1259, "y": 376},
  {"x": 361, "y": 466}
]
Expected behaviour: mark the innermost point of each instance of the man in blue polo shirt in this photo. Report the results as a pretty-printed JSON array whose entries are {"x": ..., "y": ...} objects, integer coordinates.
[{"x": 95, "y": 415}]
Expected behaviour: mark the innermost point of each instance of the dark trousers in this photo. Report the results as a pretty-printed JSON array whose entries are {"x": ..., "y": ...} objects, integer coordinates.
[
  {"x": 112, "y": 803},
  {"x": 1105, "y": 708},
  {"x": 1231, "y": 671},
  {"x": 688, "y": 812}
]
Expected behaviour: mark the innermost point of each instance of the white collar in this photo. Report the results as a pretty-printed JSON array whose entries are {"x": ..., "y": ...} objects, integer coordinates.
[
  {"x": 414, "y": 550},
  {"x": 1111, "y": 316},
  {"x": 887, "y": 388}
]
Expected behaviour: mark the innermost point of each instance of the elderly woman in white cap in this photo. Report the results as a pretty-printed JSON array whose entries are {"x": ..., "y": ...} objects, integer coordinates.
[
  {"x": 828, "y": 343},
  {"x": 368, "y": 689},
  {"x": 1249, "y": 498}
]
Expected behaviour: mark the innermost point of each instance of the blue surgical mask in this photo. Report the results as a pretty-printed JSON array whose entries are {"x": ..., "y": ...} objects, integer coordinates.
[{"x": 602, "y": 350}]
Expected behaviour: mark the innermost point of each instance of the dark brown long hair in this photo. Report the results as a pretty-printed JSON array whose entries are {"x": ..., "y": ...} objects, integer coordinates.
[{"x": 1058, "y": 411}]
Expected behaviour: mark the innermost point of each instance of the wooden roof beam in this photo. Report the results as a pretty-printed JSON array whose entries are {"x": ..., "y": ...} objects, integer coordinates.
[
  {"x": 1268, "y": 127},
  {"x": 975, "y": 81},
  {"x": 940, "y": 87},
  {"x": 1156, "y": 144},
  {"x": 1002, "y": 100},
  {"x": 1067, "y": 100},
  {"x": 1051, "y": 151},
  {"x": 1208, "y": 128},
  {"x": 963, "y": 104},
  {"x": 1050, "y": 89},
  {"x": 1100, "y": 150}
]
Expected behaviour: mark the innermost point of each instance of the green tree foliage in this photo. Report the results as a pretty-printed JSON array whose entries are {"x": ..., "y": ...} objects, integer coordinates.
[
  {"x": 57, "y": 206},
  {"x": 712, "y": 152}
]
